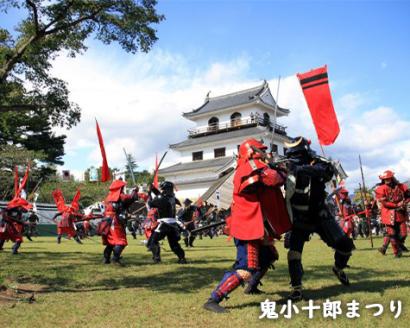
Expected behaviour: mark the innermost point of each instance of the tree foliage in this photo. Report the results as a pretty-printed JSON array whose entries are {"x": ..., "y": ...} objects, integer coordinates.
[
  {"x": 11, "y": 156},
  {"x": 32, "y": 101}
]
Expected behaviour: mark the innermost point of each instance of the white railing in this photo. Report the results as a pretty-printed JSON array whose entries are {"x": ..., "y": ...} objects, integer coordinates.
[{"x": 236, "y": 124}]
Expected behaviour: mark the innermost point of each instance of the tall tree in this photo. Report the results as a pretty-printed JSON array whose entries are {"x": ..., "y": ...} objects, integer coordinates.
[{"x": 32, "y": 101}]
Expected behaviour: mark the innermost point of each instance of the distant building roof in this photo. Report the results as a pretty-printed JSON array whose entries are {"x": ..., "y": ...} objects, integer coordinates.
[
  {"x": 220, "y": 136},
  {"x": 248, "y": 96},
  {"x": 195, "y": 165}
]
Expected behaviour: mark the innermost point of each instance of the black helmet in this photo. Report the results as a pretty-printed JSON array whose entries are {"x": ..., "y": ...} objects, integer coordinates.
[
  {"x": 187, "y": 202},
  {"x": 166, "y": 186},
  {"x": 297, "y": 147}
]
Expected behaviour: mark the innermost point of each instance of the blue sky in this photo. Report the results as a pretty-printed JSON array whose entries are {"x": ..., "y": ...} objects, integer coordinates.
[
  {"x": 228, "y": 45},
  {"x": 365, "y": 43}
]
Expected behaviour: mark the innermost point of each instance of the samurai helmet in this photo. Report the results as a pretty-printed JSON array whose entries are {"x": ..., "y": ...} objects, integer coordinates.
[
  {"x": 344, "y": 193},
  {"x": 388, "y": 174},
  {"x": 297, "y": 146},
  {"x": 166, "y": 186},
  {"x": 246, "y": 148},
  {"x": 187, "y": 202}
]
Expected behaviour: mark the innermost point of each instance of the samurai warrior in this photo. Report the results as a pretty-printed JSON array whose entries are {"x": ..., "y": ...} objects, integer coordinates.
[
  {"x": 113, "y": 227},
  {"x": 188, "y": 215},
  {"x": 168, "y": 226},
  {"x": 393, "y": 198},
  {"x": 258, "y": 215},
  {"x": 12, "y": 223},
  {"x": 306, "y": 201},
  {"x": 347, "y": 214},
  {"x": 69, "y": 215}
]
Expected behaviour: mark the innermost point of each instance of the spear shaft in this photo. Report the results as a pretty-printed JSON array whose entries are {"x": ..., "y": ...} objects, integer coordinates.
[{"x": 364, "y": 204}]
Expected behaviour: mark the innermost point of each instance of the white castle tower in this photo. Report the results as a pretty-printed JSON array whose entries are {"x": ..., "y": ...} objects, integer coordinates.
[{"x": 222, "y": 124}]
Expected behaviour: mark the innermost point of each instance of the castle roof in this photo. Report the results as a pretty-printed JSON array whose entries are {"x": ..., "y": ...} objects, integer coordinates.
[
  {"x": 260, "y": 94},
  {"x": 215, "y": 163}
]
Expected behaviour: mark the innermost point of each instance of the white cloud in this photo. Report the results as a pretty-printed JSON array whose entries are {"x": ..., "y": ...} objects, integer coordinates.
[{"x": 139, "y": 100}]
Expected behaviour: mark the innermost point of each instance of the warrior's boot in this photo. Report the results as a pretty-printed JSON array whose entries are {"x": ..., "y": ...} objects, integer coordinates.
[
  {"x": 156, "y": 253},
  {"x": 191, "y": 240},
  {"x": 341, "y": 275},
  {"x": 116, "y": 259},
  {"x": 182, "y": 261},
  {"x": 29, "y": 237},
  {"x": 1, "y": 244},
  {"x": 252, "y": 287},
  {"x": 403, "y": 248},
  {"x": 386, "y": 242},
  {"x": 230, "y": 281},
  {"x": 107, "y": 254},
  {"x": 382, "y": 250},
  {"x": 77, "y": 239},
  {"x": 213, "y": 306},
  {"x": 15, "y": 247},
  {"x": 59, "y": 239},
  {"x": 296, "y": 272},
  {"x": 296, "y": 294}
]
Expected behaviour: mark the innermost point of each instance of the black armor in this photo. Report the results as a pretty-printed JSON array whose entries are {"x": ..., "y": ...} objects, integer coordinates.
[
  {"x": 306, "y": 201},
  {"x": 169, "y": 226}
]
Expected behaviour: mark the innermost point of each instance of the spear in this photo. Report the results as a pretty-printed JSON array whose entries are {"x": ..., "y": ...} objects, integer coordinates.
[
  {"x": 151, "y": 187},
  {"x": 364, "y": 194}
]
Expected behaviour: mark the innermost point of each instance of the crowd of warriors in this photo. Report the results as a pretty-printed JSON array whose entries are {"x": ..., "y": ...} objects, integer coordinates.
[{"x": 260, "y": 213}]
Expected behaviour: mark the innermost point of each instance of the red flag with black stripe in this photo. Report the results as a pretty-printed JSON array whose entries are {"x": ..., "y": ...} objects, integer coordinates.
[
  {"x": 105, "y": 171},
  {"x": 315, "y": 87}
]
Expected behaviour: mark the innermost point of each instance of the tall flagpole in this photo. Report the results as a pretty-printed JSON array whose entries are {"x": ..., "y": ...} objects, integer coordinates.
[
  {"x": 364, "y": 203},
  {"x": 275, "y": 113}
]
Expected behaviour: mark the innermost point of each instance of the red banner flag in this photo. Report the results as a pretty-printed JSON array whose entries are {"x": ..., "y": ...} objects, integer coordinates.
[
  {"x": 155, "y": 183},
  {"x": 315, "y": 86},
  {"x": 75, "y": 202},
  {"x": 105, "y": 171},
  {"x": 59, "y": 200}
]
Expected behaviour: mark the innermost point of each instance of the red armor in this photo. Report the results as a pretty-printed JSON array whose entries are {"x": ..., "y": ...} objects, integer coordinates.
[
  {"x": 257, "y": 199},
  {"x": 393, "y": 203},
  {"x": 117, "y": 234}
]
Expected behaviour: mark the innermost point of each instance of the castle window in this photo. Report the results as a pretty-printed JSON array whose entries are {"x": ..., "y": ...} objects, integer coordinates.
[
  {"x": 274, "y": 148},
  {"x": 266, "y": 119},
  {"x": 219, "y": 152},
  {"x": 213, "y": 123},
  {"x": 197, "y": 156},
  {"x": 236, "y": 119}
]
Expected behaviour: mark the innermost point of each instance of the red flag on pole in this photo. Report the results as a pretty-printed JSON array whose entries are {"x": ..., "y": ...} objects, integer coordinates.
[
  {"x": 75, "y": 202},
  {"x": 315, "y": 86},
  {"x": 155, "y": 183},
  {"x": 105, "y": 171}
]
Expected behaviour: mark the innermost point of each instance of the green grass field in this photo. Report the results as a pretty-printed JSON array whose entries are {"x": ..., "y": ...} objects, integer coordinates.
[{"x": 76, "y": 290}]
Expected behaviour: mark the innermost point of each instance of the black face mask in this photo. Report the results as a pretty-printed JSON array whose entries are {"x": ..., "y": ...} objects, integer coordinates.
[
  {"x": 302, "y": 157},
  {"x": 392, "y": 183}
]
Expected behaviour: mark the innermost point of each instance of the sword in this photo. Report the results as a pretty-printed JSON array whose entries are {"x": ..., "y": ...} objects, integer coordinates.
[{"x": 212, "y": 225}]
